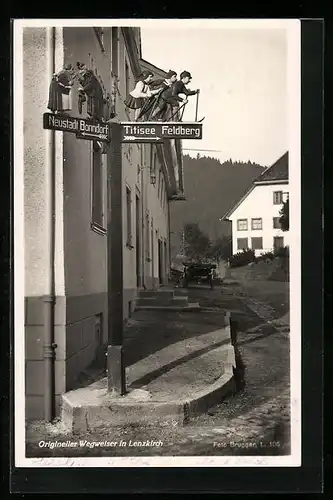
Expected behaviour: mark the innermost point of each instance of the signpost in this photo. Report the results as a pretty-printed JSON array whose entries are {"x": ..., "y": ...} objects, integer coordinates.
[
  {"x": 115, "y": 285},
  {"x": 149, "y": 132},
  {"x": 83, "y": 128},
  {"x": 115, "y": 134}
]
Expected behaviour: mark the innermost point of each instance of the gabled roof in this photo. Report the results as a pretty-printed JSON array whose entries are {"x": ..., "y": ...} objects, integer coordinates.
[
  {"x": 148, "y": 65},
  {"x": 236, "y": 205},
  {"x": 278, "y": 172}
]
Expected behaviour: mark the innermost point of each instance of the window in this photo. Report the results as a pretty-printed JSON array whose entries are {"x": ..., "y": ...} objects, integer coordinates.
[
  {"x": 160, "y": 184},
  {"x": 242, "y": 244},
  {"x": 256, "y": 243},
  {"x": 147, "y": 242},
  {"x": 277, "y": 198},
  {"x": 143, "y": 151},
  {"x": 278, "y": 242},
  {"x": 256, "y": 223},
  {"x": 162, "y": 192},
  {"x": 242, "y": 225},
  {"x": 127, "y": 79},
  {"x": 276, "y": 223},
  {"x": 99, "y": 32},
  {"x": 114, "y": 49},
  {"x": 98, "y": 188},
  {"x": 152, "y": 165},
  {"x": 152, "y": 247},
  {"x": 152, "y": 157},
  {"x": 128, "y": 217},
  {"x": 138, "y": 240}
]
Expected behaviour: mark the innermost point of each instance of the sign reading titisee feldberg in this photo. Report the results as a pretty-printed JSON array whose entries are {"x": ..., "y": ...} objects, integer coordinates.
[
  {"x": 84, "y": 129},
  {"x": 130, "y": 131},
  {"x": 157, "y": 132}
]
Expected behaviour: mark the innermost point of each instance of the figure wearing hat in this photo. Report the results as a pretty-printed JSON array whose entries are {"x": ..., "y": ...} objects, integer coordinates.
[
  {"x": 162, "y": 86},
  {"x": 91, "y": 90},
  {"x": 179, "y": 87},
  {"x": 170, "y": 97}
]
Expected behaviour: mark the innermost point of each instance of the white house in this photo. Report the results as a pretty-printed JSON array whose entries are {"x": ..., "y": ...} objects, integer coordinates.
[{"x": 255, "y": 217}]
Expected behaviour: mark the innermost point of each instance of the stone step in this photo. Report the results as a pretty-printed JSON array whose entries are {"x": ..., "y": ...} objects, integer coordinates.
[
  {"x": 162, "y": 301},
  {"x": 179, "y": 301},
  {"x": 189, "y": 377},
  {"x": 180, "y": 292},
  {"x": 194, "y": 306},
  {"x": 156, "y": 293}
]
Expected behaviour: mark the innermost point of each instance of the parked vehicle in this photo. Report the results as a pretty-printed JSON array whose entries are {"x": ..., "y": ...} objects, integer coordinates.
[{"x": 200, "y": 273}]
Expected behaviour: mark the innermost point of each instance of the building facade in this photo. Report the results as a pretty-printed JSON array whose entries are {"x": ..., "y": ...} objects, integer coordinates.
[
  {"x": 255, "y": 217},
  {"x": 65, "y": 208}
]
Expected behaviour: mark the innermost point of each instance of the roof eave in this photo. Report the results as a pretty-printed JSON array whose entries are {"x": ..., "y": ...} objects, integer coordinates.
[
  {"x": 144, "y": 62},
  {"x": 273, "y": 181},
  {"x": 240, "y": 201}
]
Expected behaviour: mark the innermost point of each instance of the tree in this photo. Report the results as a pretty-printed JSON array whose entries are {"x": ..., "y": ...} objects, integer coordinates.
[
  {"x": 284, "y": 216},
  {"x": 221, "y": 249},
  {"x": 197, "y": 245}
]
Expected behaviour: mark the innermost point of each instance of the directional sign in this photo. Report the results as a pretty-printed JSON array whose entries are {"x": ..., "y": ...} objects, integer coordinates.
[
  {"x": 92, "y": 137},
  {"x": 158, "y": 131},
  {"x": 83, "y": 128},
  {"x": 135, "y": 138}
]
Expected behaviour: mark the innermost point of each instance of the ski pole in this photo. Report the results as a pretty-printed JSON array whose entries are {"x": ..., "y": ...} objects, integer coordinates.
[
  {"x": 177, "y": 111},
  {"x": 196, "y": 107},
  {"x": 181, "y": 118},
  {"x": 157, "y": 97}
]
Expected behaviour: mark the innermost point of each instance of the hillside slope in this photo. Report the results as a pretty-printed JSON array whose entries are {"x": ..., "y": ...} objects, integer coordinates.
[{"x": 211, "y": 188}]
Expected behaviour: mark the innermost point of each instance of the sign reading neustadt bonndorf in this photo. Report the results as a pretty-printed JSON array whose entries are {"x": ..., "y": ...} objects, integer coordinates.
[
  {"x": 84, "y": 129},
  {"x": 157, "y": 131}
]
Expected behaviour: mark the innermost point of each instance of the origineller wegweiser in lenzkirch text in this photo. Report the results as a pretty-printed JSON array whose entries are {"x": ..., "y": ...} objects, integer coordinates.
[{"x": 83, "y": 443}]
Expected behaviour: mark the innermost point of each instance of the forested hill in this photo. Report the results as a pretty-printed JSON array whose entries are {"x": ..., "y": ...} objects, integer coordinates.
[{"x": 211, "y": 188}]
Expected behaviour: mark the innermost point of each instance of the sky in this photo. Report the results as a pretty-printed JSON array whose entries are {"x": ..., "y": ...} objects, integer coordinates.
[{"x": 242, "y": 77}]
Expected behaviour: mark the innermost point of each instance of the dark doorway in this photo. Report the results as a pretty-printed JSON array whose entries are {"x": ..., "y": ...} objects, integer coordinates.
[
  {"x": 165, "y": 263},
  {"x": 160, "y": 262},
  {"x": 278, "y": 242},
  {"x": 152, "y": 256},
  {"x": 138, "y": 241}
]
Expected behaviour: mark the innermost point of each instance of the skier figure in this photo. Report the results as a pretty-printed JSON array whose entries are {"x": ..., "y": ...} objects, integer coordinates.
[
  {"x": 170, "y": 96},
  {"x": 156, "y": 103},
  {"x": 137, "y": 97},
  {"x": 179, "y": 87}
]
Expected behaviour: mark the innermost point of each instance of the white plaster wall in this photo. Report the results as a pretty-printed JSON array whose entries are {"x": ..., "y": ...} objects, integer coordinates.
[
  {"x": 59, "y": 186},
  {"x": 259, "y": 203},
  {"x": 131, "y": 158},
  {"x": 35, "y": 97}
]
